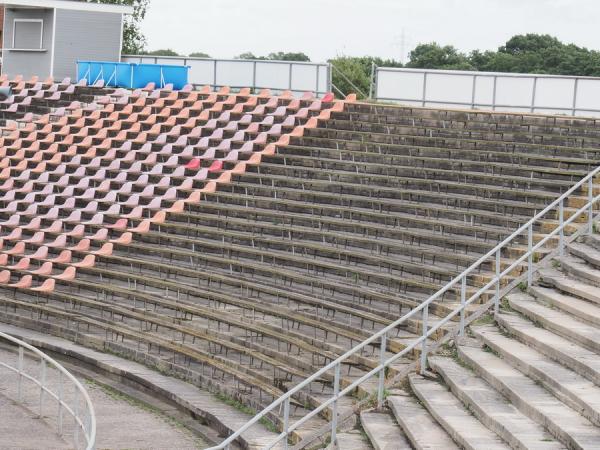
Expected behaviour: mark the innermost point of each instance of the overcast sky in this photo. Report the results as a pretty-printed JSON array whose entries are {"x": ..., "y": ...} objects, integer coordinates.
[{"x": 326, "y": 28}]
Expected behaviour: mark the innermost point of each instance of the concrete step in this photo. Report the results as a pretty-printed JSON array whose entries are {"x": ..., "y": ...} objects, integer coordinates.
[
  {"x": 465, "y": 429},
  {"x": 492, "y": 409},
  {"x": 579, "y": 269},
  {"x": 581, "y": 309},
  {"x": 422, "y": 430},
  {"x": 592, "y": 240},
  {"x": 570, "y": 285},
  {"x": 569, "y": 387},
  {"x": 589, "y": 253},
  {"x": 354, "y": 440},
  {"x": 581, "y": 360},
  {"x": 562, "y": 422},
  {"x": 556, "y": 321},
  {"x": 383, "y": 431}
]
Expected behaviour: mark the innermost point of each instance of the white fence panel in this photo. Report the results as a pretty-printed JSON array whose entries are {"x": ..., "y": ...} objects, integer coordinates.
[
  {"x": 550, "y": 94},
  {"x": 238, "y": 73}
]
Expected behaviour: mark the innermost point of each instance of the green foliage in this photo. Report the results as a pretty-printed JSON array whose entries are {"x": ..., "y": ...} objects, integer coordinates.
[
  {"x": 434, "y": 56},
  {"x": 283, "y": 56},
  {"x": 526, "y": 53},
  {"x": 277, "y": 56},
  {"x": 199, "y": 55},
  {"x": 249, "y": 55},
  {"x": 162, "y": 52},
  {"x": 356, "y": 70},
  {"x": 134, "y": 41}
]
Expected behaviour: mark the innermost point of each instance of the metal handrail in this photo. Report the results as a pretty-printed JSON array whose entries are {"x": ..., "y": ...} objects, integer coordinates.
[
  {"x": 84, "y": 420},
  {"x": 349, "y": 81},
  {"x": 423, "y": 308}
]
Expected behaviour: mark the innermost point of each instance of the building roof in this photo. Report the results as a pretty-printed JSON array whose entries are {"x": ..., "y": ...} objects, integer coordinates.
[{"x": 67, "y": 4}]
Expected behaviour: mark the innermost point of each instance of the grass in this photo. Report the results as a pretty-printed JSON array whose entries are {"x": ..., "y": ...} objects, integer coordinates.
[
  {"x": 484, "y": 319},
  {"x": 505, "y": 305},
  {"x": 556, "y": 263},
  {"x": 246, "y": 410},
  {"x": 372, "y": 400},
  {"x": 522, "y": 286}
]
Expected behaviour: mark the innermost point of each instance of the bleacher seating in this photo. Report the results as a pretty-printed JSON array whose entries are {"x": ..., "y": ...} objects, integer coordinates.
[{"x": 247, "y": 239}]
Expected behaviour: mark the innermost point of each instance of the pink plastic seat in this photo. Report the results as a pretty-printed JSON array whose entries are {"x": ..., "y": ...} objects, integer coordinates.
[
  {"x": 23, "y": 283},
  {"x": 46, "y": 287},
  {"x": 67, "y": 275}
]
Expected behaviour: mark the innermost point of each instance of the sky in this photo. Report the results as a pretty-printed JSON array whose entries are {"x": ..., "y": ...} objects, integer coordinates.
[{"x": 387, "y": 28}]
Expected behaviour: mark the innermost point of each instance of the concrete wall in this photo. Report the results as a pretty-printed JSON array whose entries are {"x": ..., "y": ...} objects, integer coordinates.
[
  {"x": 27, "y": 63},
  {"x": 83, "y": 35}
]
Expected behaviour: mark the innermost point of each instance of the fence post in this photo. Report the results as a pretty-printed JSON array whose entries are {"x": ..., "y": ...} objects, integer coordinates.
[
  {"x": 424, "y": 88},
  {"x": 473, "y": 91},
  {"x": 530, "y": 253},
  {"x": 317, "y": 67},
  {"x": 494, "y": 93},
  {"x": 215, "y": 75},
  {"x": 372, "y": 80},
  {"x": 497, "y": 295},
  {"x": 463, "y": 297},
  {"x": 424, "y": 342},
  {"x": 575, "y": 96},
  {"x": 533, "y": 94},
  {"x": 290, "y": 76},
  {"x": 334, "y": 413},
  {"x": 591, "y": 205},
  {"x": 381, "y": 385}
]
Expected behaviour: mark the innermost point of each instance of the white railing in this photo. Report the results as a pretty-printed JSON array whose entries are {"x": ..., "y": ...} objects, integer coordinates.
[
  {"x": 84, "y": 418},
  {"x": 524, "y": 232},
  {"x": 295, "y": 76},
  {"x": 519, "y": 92}
]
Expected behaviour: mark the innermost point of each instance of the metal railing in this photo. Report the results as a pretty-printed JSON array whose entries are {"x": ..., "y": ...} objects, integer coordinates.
[
  {"x": 525, "y": 231},
  {"x": 84, "y": 419},
  {"x": 296, "y": 76}
]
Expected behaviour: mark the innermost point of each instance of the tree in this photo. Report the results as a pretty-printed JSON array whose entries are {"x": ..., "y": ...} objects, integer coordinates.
[
  {"x": 283, "y": 56},
  {"x": 134, "y": 41},
  {"x": 248, "y": 55},
  {"x": 199, "y": 55},
  {"x": 162, "y": 52},
  {"x": 353, "y": 74},
  {"x": 277, "y": 56},
  {"x": 434, "y": 56}
]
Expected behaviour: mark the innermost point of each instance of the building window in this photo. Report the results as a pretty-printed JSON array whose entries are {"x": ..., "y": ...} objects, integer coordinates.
[{"x": 28, "y": 34}]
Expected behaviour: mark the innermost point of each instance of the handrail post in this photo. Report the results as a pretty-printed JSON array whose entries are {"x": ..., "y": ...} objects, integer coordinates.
[
  {"x": 591, "y": 205},
  {"x": 334, "y": 413},
  {"x": 424, "y": 342},
  {"x": 561, "y": 235},
  {"x": 497, "y": 294},
  {"x": 286, "y": 421},
  {"x": 60, "y": 406},
  {"x": 20, "y": 382},
  {"x": 530, "y": 255},
  {"x": 75, "y": 416},
  {"x": 381, "y": 384},
  {"x": 463, "y": 297},
  {"x": 42, "y": 384}
]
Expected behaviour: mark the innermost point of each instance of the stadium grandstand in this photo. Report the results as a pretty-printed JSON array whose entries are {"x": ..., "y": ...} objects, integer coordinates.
[{"x": 239, "y": 243}]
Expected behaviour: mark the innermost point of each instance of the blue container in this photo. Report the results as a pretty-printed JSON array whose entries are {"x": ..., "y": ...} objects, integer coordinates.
[{"x": 132, "y": 75}]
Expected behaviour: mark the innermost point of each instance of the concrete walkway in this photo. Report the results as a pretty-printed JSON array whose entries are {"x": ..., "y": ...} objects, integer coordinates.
[{"x": 122, "y": 423}]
